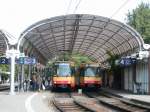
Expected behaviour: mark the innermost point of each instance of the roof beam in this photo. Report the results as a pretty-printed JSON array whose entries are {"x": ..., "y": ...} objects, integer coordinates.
[{"x": 75, "y": 32}]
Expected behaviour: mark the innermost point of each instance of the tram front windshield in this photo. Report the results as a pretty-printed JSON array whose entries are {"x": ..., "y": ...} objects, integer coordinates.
[
  {"x": 90, "y": 71},
  {"x": 64, "y": 70}
]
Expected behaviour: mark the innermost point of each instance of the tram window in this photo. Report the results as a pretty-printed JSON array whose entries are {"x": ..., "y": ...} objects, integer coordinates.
[
  {"x": 64, "y": 70},
  {"x": 90, "y": 71}
]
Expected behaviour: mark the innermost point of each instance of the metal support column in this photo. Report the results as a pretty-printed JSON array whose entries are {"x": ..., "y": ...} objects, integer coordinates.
[
  {"x": 149, "y": 75},
  {"x": 18, "y": 78},
  {"x": 134, "y": 77},
  {"x": 29, "y": 76},
  {"x": 12, "y": 54},
  {"x": 22, "y": 77},
  {"x": 12, "y": 85}
]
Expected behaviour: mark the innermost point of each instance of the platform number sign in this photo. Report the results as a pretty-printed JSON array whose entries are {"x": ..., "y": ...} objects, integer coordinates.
[
  {"x": 21, "y": 60},
  {"x": 4, "y": 60},
  {"x": 127, "y": 61},
  {"x": 29, "y": 61},
  {"x": 26, "y": 61}
]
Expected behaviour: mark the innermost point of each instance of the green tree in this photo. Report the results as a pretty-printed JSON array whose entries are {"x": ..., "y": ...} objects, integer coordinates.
[
  {"x": 75, "y": 57},
  {"x": 4, "y": 67},
  {"x": 111, "y": 60},
  {"x": 139, "y": 19},
  {"x": 78, "y": 58}
]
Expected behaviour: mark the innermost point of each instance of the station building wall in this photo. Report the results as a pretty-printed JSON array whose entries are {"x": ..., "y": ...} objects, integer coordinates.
[
  {"x": 128, "y": 79},
  {"x": 142, "y": 76},
  {"x": 136, "y": 79}
]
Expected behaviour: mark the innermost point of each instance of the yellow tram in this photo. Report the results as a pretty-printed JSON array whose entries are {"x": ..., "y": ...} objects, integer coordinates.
[
  {"x": 63, "y": 75},
  {"x": 89, "y": 75}
]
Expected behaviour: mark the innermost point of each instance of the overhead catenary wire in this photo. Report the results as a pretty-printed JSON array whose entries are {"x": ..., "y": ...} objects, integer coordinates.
[
  {"x": 77, "y": 6},
  {"x": 119, "y": 9},
  {"x": 72, "y": 3},
  {"x": 68, "y": 8}
]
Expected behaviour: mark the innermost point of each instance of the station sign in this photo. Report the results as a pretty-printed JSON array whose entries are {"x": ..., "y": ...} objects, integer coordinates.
[
  {"x": 26, "y": 61},
  {"x": 127, "y": 61},
  {"x": 21, "y": 60},
  {"x": 4, "y": 60},
  {"x": 29, "y": 61}
]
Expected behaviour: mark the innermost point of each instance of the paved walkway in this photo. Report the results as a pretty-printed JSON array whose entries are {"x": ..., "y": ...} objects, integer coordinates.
[
  {"x": 40, "y": 101},
  {"x": 143, "y": 98},
  {"x": 26, "y": 102}
]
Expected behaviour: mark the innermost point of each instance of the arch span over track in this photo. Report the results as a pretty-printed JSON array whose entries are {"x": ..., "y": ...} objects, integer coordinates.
[
  {"x": 86, "y": 34},
  {"x": 6, "y": 40}
]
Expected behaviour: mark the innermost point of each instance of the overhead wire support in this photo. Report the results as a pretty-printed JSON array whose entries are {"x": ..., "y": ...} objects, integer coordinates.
[{"x": 75, "y": 32}]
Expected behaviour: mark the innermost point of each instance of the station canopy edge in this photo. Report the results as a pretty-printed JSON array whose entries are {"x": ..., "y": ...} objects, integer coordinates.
[{"x": 90, "y": 35}]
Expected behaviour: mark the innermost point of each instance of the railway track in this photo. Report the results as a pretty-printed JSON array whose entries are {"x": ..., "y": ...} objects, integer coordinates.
[
  {"x": 119, "y": 104},
  {"x": 64, "y": 103},
  {"x": 68, "y": 105},
  {"x": 74, "y": 102},
  {"x": 130, "y": 102}
]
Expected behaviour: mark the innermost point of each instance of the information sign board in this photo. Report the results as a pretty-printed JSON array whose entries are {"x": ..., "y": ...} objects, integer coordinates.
[
  {"x": 127, "y": 61},
  {"x": 4, "y": 60},
  {"x": 29, "y": 61},
  {"x": 26, "y": 61},
  {"x": 21, "y": 60}
]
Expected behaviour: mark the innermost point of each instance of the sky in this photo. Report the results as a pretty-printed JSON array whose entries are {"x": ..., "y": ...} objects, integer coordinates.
[{"x": 18, "y": 15}]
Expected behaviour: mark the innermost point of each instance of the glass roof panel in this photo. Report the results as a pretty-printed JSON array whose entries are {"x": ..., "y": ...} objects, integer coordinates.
[{"x": 84, "y": 33}]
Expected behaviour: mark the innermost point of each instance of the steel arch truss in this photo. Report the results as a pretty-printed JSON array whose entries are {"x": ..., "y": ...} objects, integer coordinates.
[
  {"x": 5, "y": 39},
  {"x": 87, "y": 34}
]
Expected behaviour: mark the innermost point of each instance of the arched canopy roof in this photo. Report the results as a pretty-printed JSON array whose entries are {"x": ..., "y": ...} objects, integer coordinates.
[
  {"x": 3, "y": 42},
  {"x": 86, "y": 34}
]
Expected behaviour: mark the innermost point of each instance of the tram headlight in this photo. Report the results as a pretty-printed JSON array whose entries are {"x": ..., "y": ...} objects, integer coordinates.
[
  {"x": 69, "y": 82},
  {"x": 54, "y": 82}
]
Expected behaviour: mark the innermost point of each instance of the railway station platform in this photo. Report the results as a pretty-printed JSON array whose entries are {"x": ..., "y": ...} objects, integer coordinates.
[
  {"x": 26, "y": 102},
  {"x": 145, "y": 99}
]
